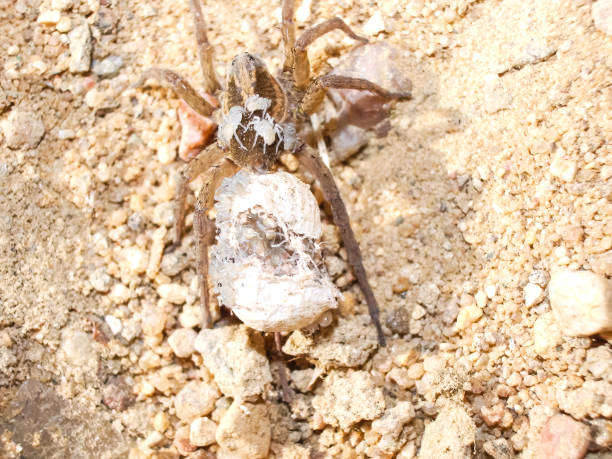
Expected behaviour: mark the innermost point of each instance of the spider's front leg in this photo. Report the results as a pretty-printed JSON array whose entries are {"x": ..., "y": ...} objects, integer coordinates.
[
  {"x": 205, "y": 229},
  {"x": 313, "y": 163}
]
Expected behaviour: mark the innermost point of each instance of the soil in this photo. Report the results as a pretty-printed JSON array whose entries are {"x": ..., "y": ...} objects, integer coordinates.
[{"x": 496, "y": 174}]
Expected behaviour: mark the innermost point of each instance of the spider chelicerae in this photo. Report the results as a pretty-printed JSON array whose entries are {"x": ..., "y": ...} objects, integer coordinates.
[{"x": 261, "y": 116}]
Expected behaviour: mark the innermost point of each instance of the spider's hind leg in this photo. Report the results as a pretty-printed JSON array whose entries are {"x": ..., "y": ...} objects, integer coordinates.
[{"x": 313, "y": 163}]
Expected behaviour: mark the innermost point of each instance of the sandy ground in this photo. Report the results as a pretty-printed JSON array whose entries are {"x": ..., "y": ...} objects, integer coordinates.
[{"x": 495, "y": 176}]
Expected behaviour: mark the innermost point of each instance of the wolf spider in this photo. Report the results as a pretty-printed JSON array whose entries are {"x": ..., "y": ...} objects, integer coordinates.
[{"x": 260, "y": 115}]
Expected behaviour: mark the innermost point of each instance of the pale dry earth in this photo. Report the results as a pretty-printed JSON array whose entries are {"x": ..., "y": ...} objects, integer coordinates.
[{"x": 494, "y": 177}]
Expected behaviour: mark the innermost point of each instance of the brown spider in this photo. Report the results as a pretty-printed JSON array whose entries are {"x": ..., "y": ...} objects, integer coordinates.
[{"x": 260, "y": 117}]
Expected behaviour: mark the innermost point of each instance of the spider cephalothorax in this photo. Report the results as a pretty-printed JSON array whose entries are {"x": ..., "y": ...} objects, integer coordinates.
[{"x": 259, "y": 121}]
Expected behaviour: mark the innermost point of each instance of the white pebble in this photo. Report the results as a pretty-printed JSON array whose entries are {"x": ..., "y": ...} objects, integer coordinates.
[
  {"x": 375, "y": 24},
  {"x": 563, "y": 169},
  {"x": 153, "y": 320},
  {"x": 50, "y": 17},
  {"x": 80, "y": 48},
  {"x": 173, "y": 293},
  {"x": 100, "y": 280},
  {"x": 195, "y": 399},
  {"x": 113, "y": 323},
  {"x": 182, "y": 342},
  {"x": 22, "y": 129},
  {"x": 581, "y": 302},
  {"x": 533, "y": 294},
  {"x": 119, "y": 294},
  {"x": 202, "y": 432},
  {"x": 467, "y": 316},
  {"x": 137, "y": 260},
  {"x": 491, "y": 291}
]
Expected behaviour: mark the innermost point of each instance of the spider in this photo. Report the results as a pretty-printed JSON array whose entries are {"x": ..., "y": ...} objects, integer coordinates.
[{"x": 260, "y": 119}]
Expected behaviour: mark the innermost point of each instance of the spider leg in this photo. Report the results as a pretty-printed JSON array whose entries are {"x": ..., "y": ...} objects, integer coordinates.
[
  {"x": 181, "y": 87},
  {"x": 205, "y": 49},
  {"x": 205, "y": 230},
  {"x": 288, "y": 31},
  {"x": 316, "y": 91},
  {"x": 312, "y": 162},
  {"x": 301, "y": 64},
  {"x": 286, "y": 391},
  {"x": 210, "y": 156}
]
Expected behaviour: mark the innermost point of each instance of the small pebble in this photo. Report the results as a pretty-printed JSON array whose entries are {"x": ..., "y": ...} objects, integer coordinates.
[
  {"x": 78, "y": 348},
  {"x": 137, "y": 260},
  {"x": 113, "y": 323},
  {"x": 161, "y": 422},
  {"x": 108, "y": 67},
  {"x": 182, "y": 342},
  {"x": 562, "y": 437},
  {"x": 22, "y": 129},
  {"x": 153, "y": 320},
  {"x": 602, "y": 15},
  {"x": 173, "y": 293},
  {"x": 118, "y": 394},
  {"x": 195, "y": 399},
  {"x": 100, "y": 280},
  {"x": 467, "y": 316},
  {"x": 492, "y": 415},
  {"x": 581, "y": 302},
  {"x": 451, "y": 435},
  {"x": 481, "y": 299},
  {"x": 563, "y": 169},
  {"x": 399, "y": 321},
  {"x": 64, "y": 25},
  {"x": 190, "y": 316},
  {"x": 540, "y": 278},
  {"x": 202, "y": 432},
  {"x": 156, "y": 252},
  {"x": 374, "y": 25},
  {"x": 546, "y": 335},
  {"x": 119, "y": 294},
  {"x": 174, "y": 262},
  {"x": 80, "y": 48},
  {"x": 49, "y": 17},
  {"x": 244, "y": 431},
  {"x": 182, "y": 442},
  {"x": 533, "y": 294}
]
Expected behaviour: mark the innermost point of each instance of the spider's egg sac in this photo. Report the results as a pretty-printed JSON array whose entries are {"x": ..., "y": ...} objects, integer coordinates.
[{"x": 266, "y": 265}]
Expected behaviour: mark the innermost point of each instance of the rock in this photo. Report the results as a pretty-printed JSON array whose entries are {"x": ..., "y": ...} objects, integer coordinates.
[
  {"x": 195, "y": 131},
  {"x": 119, "y": 294},
  {"x": 22, "y": 129},
  {"x": 78, "y": 348},
  {"x": 602, "y": 15},
  {"x": 581, "y": 302},
  {"x": 202, "y": 432},
  {"x": 196, "y": 399},
  {"x": 599, "y": 361},
  {"x": 546, "y": 335},
  {"x": 533, "y": 294},
  {"x": 450, "y": 435},
  {"x": 375, "y": 24},
  {"x": 563, "y": 169},
  {"x": 118, "y": 394},
  {"x": 390, "y": 426},
  {"x": 173, "y": 293},
  {"x": 137, "y": 260},
  {"x": 236, "y": 357},
  {"x": 244, "y": 431},
  {"x": 113, "y": 323},
  {"x": 593, "y": 399},
  {"x": 348, "y": 398},
  {"x": 499, "y": 449},
  {"x": 467, "y": 316},
  {"x": 80, "y": 48},
  {"x": 398, "y": 321},
  {"x": 540, "y": 278},
  {"x": 346, "y": 142},
  {"x": 153, "y": 320},
  {"x": 563, "y": 438},
  {"x": 100, "y": 280},
  {"x": 48, "y": 17},
  {"x": 108, "y": 67},
  {"x": 347, "y": 344},
  {"x": 182, "y": 342},
  {"x": 174, "y": 262},
  {"x": 380, "y": 63},
  {"x": 182, "y": 443}
]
